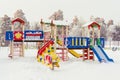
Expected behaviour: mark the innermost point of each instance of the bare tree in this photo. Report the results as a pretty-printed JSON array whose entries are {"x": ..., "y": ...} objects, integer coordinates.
[
  {"x": 75, "y": 27},
  {"x": 58, "y": 15},
  {"x": 20, "y": 14},
  {"x": 110, "y": 22},
  {"x": 110, "y": 30},
  {"x": 36, "y": 26},
  {"x": 5, "y": 25}
]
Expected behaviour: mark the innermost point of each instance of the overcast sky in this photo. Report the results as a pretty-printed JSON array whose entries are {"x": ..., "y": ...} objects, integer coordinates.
[{"x": 36, "y": 9}]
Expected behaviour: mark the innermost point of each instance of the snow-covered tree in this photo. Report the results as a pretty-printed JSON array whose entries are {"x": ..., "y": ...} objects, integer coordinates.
[
  {"x": 110, "y": 22},
  {"x": 20, "y": 14},
  {"x": 103, "y": 28},
  {"x": 36, "y": 26},
  {"x": 5, "y": 25},
  {"x": 116, "y": 33},
  {"x": 58, "y": 15},
  {"x": 111, "y": 28},
  {"x": 75, "y": 27}
]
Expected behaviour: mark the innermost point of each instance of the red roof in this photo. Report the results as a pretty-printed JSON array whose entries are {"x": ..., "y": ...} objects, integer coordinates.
[
  {"x": 94, "y": 23},
  {"x": 19, "y": 20},
  {"x": 91, "y": 24}
]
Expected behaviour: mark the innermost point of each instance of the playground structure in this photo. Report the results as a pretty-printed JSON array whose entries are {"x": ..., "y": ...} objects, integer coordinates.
[
  {"x": 16, "y": 41},
  {"x": 90, "y": 42},
  {"x": 17, "y": 36},
  {"x": 55, "y": 36}
]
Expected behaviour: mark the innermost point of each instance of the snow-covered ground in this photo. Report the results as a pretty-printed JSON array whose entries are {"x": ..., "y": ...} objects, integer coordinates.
[{"x": 27, "y": 68}]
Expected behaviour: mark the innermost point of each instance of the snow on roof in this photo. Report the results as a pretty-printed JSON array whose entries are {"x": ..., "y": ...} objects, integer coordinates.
[
  {"x": 48, "y": 30},
  {"x": 90, "y": 24},
  {"x": 46, "y": 20},
  {"x": 57, "y": 22},
  {"x": 87, "y": 24},
  {"x": 61, "y": 22},
  {"x": 18, "y": 19}
]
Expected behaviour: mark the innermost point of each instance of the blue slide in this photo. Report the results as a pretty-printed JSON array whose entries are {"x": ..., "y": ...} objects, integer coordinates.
[{"x": 101, "y": 55}]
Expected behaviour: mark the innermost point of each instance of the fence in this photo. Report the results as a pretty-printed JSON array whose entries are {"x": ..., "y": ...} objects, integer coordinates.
[
  {"x": 31, "y": 45},
  {"x": 113, "y": 45}
]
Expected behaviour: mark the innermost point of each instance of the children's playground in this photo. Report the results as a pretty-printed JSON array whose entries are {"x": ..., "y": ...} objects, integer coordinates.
[
  {"x": 57, "y": 53},
  {"x": 54, "y": 36}
]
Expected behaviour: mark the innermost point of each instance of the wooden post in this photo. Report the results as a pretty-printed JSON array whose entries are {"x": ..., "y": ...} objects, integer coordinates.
[
  {"x": 11, "y": 46},
  {"x": 11, "y": 49},
  {"x": 83, "y": 32},
  {"x": 66, "y": 45},
  {"x": 93, "y": 36},
  {"x": 55, "y": 40},
  {"x": 63, "y": 42},
  {"x": 99, "y": 33},
  {"x": 88, "y": 32},
  {"x": 22, "y": 42},
  {"x": 53, "y": 34},
  {"x": 43, "y": 25}
]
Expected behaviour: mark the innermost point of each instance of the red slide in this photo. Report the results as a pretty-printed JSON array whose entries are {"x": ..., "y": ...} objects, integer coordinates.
[{"x": 40, "y": 51}]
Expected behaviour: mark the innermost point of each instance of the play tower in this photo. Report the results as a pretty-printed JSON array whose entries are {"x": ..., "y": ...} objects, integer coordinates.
[
  {"x": 57, "y": 30},
  {"x": 91, "y": 30},
  {"x": 17, "y": 44}
]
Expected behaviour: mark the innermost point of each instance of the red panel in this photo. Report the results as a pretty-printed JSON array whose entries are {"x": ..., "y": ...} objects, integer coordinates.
[
  {"x": 18, "y": 35},
  {"x": 91, "y": 57},
  {"x": 91, "y": 53}
]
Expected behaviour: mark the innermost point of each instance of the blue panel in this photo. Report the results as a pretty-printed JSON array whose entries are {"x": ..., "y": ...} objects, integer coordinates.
[
  {"x": 87, "y": 42},
  {"x": 69, "y": 42},
  {"x": 102, "y": 41},
  {"x": 75, "y": 46},
  {"x": 9, "y": 35}
]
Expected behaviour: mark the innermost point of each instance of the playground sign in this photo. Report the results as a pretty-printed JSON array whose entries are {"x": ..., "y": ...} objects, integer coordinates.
[
  {"x": 33, "y": 35},
  {"x": 9, "y": 35},
  {"x": 28, "y": 35}
]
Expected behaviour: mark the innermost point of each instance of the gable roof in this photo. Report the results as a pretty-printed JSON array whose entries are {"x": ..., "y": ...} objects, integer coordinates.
[
  {"x": 19, "y": 20},
  {"x": 90, "y": 24}
]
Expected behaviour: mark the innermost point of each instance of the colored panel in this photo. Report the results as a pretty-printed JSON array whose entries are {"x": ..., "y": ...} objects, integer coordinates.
[
  {"x": 33, "y": 35},
  {"x": 9, "y": 35},
  {"x": 75, "y": 42},
  {"x": 69, "y": 41},
  {"x": 18, "y": 35},
  {"x": 102, "y": 41}
]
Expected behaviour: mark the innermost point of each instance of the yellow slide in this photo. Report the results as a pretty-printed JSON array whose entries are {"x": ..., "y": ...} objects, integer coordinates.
[
  {"x": 74, "y": 53},
  {"x": 71, "y": 51}
]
